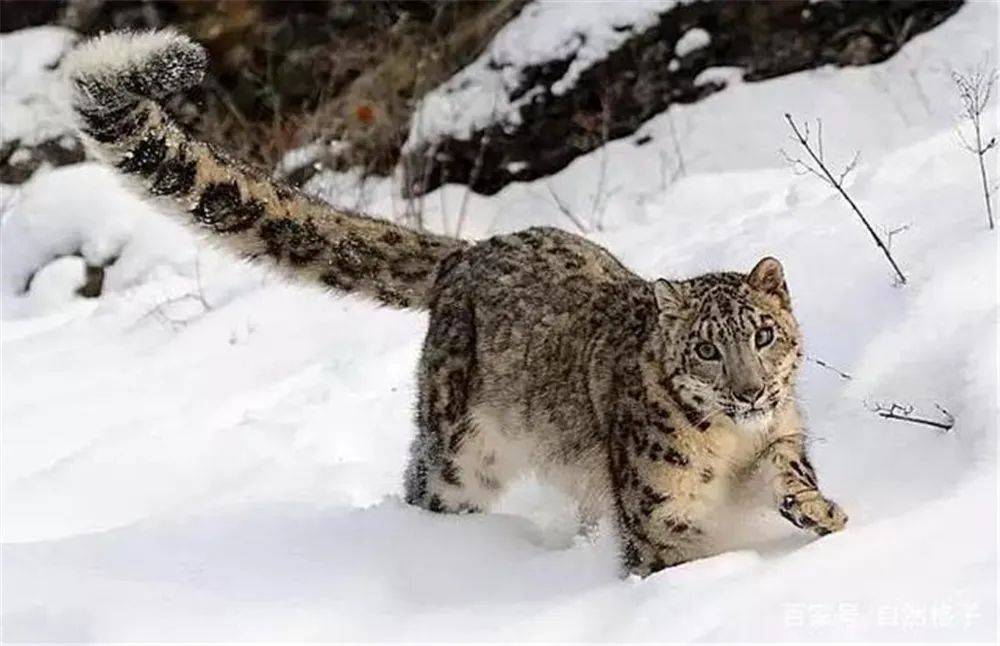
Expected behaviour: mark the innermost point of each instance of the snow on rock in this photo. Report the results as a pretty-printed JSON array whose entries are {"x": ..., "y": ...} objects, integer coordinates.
[
  {"x": 33, "y": 99},
  {"x": 581, "y": 32},
  {"x": 232, "y": 472},
  {"x": 692, "y": 40}
]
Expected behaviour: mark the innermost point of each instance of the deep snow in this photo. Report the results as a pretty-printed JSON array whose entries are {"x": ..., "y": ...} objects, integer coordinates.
[{"x": 208, "y": 453}]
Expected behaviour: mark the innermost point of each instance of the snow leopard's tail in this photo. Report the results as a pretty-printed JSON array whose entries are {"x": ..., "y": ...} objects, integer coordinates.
[{"x": 118, "y": 81}]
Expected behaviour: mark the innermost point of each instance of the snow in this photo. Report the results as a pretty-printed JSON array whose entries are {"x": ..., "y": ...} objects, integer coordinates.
[
  {"x": 692, "y": 40},
  {"x": 207, "y": 453},
  {"x": 33, "y": 100}
]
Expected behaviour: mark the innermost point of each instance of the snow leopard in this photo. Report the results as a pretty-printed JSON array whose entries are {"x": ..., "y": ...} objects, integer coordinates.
[{"x": 646, "y": 400}]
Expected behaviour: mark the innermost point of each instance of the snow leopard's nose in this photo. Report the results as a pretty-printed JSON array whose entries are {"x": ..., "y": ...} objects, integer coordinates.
[{"x": 749, "y": 394}]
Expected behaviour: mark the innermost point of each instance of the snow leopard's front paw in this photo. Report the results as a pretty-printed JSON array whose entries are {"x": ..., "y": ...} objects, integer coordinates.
[{"x": 810, "y": 510}]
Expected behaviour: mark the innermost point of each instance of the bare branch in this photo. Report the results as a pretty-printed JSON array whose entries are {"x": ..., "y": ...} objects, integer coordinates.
[
  {"x": 819, "y": 137},
  {"x": 823, "y": 364},
  {"x": 821, "y": 170},
  {"x": 678, "y": 152},
  {"x": 674, "y": 175},
  {"x": 679, "y": 169},
  {"x": 565, "y": 210},
  {"x": 601, "y": 193},
  {"x": 905, "y": 413},
  {"x": 965, "y": 142},
  {"x": 800, "y": 167},
  {"x": 851, "y": 165},
  {"x": 159, "y": 311},
  {"x": 891, "y": 233}
]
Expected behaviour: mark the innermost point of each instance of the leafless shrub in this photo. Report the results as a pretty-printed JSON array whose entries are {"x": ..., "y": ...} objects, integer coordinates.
[
  {"x": 815, "y": 164},
  {"x": 975, "y": 89},
  {"x": 906, "y": 413}
]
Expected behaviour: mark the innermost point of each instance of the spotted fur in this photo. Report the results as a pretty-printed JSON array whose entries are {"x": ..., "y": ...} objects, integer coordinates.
[{"x": 647, "y": 401}]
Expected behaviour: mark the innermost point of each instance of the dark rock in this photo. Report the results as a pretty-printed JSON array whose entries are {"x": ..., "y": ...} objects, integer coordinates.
[
  {"x": 93, "y": 283},
  {"x": 18, "y": 163}
]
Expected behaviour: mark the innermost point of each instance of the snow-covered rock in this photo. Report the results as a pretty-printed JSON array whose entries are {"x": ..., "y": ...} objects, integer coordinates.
[
  {"x": 692, "y": 40},
  {"x": 563, "y": 78}
]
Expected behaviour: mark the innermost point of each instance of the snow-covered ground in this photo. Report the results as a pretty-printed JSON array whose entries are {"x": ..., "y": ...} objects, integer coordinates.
[{"x": 207, "y": 453}]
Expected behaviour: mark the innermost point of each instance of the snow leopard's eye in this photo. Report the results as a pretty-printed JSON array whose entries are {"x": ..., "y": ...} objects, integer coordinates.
[
  {"x": 707, "y": 351},
  {"x": 764, "y": 337}
]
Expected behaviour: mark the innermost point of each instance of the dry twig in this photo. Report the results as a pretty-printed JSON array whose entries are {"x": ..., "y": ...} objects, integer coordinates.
[
  {"x": 837, "y": 371},
  {"x": 905, "y": 413},
  {"x": 891, "y": 233},
  {"x": 565, "y": 210}
]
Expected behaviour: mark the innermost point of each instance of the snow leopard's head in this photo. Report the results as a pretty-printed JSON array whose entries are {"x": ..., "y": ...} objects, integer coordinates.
[{"x": 731, "y": 344}]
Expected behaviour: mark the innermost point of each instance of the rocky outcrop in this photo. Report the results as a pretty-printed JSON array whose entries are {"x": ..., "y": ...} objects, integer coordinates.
[{"x": 654, "y": 69}]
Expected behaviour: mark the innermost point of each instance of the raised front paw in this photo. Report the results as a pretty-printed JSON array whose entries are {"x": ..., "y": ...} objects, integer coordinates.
[{"x": 810, "y": 510}]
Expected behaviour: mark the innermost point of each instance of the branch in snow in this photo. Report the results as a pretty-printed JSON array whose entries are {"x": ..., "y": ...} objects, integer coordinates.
[
  {"x": 197, "y": 295},
  {"x": 815, "y": 164},
  {"x": 680, "y": 170},
  {"x": 816, "y": 167},
  {"x": 975, "y": 89},
  {"x": 891, "y": 233},
  {"x": 905, "y": 413},
  {"x": 601, "y": 194},
  {"x": 565, "y": 210}
]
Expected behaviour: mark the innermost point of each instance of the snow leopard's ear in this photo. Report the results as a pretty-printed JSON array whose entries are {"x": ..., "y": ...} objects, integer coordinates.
[
  {"x": 769, "y": 277},
  {"x": 669, "y": 297}
]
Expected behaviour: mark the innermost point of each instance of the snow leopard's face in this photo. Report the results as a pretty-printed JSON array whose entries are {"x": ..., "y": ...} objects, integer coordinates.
[{"x": 733, "y": 344}]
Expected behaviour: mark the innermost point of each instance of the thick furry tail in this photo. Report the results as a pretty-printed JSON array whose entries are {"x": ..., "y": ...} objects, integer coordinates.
[{"x": 118, "y": 81}]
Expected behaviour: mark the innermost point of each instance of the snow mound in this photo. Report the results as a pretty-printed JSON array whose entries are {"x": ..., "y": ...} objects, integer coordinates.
[{"x": 33, "y": 99}]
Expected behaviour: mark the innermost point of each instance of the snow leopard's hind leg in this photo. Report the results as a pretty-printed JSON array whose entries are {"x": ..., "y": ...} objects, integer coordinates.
[{"x": 453, "y": 459}]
